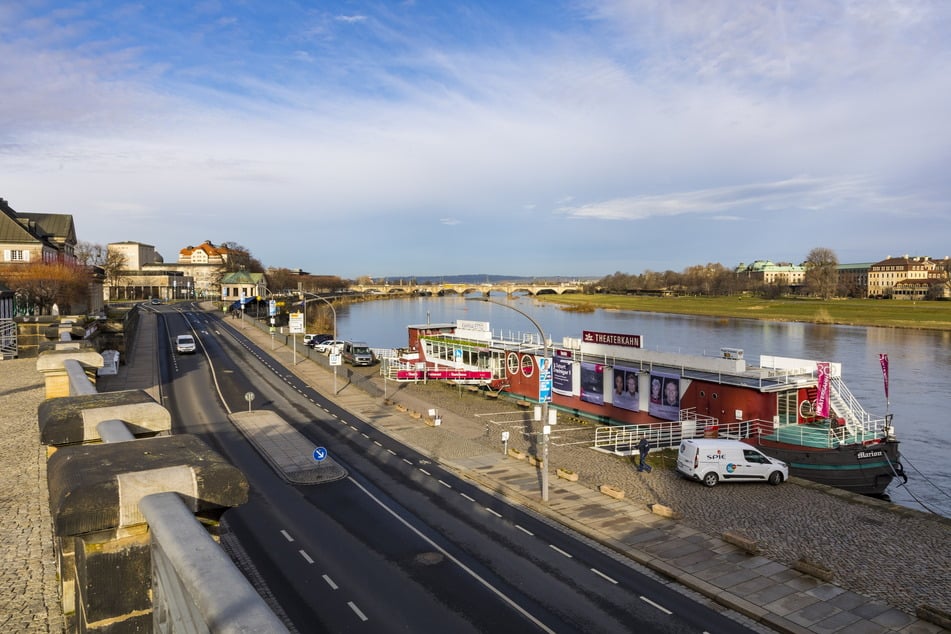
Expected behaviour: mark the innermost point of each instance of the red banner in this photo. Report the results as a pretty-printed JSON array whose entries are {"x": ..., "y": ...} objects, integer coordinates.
[
  {"x": 883, "y": 359},
  {"x": 481, "y": 375},
  {"x": 823, "y": 370}
]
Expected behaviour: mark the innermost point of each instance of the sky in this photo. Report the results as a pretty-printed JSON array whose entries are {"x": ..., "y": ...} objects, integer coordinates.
[{"x": 537, "y": 138}]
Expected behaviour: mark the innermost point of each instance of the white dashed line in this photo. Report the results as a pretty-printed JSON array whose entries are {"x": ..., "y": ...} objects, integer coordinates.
[
  {"x": 407, "y": 461},
  {"x": 330, "y": 582},
  {"x": 305, "y": 556},
  {"x": 559, "y": 550},
  {"x": 524, "y": 530},
  {"x": 467, "y": 497},
  {"x": 426, "y": 472},
  {"x": 286, "y": 535},
  {"x": 659, "y": 607},
  {"x": 445, "y": 484},
  {"x": 357, "y": 611},
  {"x": 377, "y": 443},
  {"x": 493, "y": 512},
  {"x": 603, "y": 576},
  {"x": 391, "y": 451}
]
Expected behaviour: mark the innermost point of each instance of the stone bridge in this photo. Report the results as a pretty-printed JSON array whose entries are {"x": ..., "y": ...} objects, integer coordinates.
[{"x": 509, "y": 288}]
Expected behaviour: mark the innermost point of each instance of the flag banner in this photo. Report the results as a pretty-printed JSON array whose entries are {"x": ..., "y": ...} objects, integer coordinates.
[
  {"x": 823, "y": 370},
  {"x": 883, "y": 359}
]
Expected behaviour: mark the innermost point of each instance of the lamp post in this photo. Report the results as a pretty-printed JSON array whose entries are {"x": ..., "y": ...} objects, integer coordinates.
[
  {"x": 332, "y": 310},
  {"x": 545, "y": 398}
]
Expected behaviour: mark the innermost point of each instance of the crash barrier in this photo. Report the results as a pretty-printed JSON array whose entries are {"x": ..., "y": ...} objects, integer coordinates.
[{"x": 136, "y": 511}]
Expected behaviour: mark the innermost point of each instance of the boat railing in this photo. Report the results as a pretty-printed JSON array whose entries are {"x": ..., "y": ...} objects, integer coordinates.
[{"x": 847, "y": 406}]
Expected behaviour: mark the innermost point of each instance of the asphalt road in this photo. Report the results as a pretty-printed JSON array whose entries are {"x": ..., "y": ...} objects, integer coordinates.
[{"x": 400, "y": 544}]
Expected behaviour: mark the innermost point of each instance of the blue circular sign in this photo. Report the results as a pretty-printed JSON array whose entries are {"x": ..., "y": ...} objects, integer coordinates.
[{"x": 320, "y": 453}]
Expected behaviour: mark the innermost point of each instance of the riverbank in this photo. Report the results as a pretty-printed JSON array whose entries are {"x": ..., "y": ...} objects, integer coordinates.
[{"x": 931, "y": 315}]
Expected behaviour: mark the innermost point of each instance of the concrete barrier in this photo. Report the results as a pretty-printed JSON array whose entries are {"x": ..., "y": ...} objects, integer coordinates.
[
  {"x": 101, "y": 536},
  {"x": 72, "y": 420},
  {"x": 744, "y": 542}
]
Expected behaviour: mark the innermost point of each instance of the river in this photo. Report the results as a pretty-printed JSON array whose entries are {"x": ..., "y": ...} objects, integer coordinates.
[{"x": 919, "y": 362}]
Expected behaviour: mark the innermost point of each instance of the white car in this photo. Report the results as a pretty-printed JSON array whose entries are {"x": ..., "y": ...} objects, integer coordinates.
[
  {"x": 185, "y": 344},
  {"x": 329, "y": 346}
]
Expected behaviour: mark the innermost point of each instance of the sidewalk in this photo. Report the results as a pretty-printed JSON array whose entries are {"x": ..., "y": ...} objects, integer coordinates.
[{"x": 768, "y": 592}]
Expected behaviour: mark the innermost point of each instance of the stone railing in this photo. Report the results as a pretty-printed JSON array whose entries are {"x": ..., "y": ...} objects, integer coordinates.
[{"x": 135, "y": 512}]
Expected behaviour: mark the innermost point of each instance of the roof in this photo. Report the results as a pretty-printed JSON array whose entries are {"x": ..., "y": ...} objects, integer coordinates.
[
  {"x": 207, "y": 246},
  {"x": 243, "y": 277},
  {"x": 59, "y": 226}
]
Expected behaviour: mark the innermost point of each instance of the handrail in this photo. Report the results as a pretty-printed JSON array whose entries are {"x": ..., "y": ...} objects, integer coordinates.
[{"x": 192, "y": 574}]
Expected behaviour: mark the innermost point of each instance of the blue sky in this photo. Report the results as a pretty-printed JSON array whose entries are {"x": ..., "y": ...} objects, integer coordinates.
[{"x": 534, "y": 138}]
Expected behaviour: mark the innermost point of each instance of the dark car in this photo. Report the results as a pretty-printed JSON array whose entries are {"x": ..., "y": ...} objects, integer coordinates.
[{"x": 315, "y": 340}]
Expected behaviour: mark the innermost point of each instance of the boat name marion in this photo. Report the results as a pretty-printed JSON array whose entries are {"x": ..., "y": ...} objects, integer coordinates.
[
  {"x": 869, "y": 454},
  {"x": 611, "y": 339}
]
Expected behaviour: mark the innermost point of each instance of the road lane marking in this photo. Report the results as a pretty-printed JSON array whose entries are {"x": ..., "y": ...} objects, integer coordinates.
[
  {"x": 426, "y": 472},
  {"x": 496, "y": 513},
  {"x": 305, "y": 556},
  {"x": 330, "y": 582},
  {"x": 656, "y": 605},
  {"x": 559, "y": 550},
  {"x": 508, "y": 600},
  {"x": 391, "y": 451},
  {"x": 445, "y": 484},
  {"x": 603, "y": 576},
  {"x": 525, "y": 530},
  {"x": 356, "y": 610},
  {"x": 471, "y": 499},
  {"x": 286, "y": 535}
]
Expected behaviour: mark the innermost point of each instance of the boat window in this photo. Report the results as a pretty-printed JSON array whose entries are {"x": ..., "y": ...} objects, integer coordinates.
[
  {"x": 513, "y": 363},
  {"x": 528, "y": 365}
]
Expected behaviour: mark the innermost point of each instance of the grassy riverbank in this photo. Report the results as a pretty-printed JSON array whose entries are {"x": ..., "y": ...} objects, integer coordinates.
[{"x": 857, "y": 312}]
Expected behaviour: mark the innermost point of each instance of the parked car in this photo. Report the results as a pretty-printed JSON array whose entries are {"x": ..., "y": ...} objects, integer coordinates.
[
  {"x": 329, "y": 345},
  {"x": 156, "y": 301},
  {"x": 313, "y": 340},
  {"x": 185, "y": 344},
  {"x": 710, "y": 460},
  {"x": 358, "y": 353}
]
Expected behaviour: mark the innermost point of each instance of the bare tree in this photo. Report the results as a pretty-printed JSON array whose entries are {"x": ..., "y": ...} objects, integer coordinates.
[
  {"x": 822, "y": 272},
  {"x": 114, "y": 266},
  {"x": 239, "y": 257},
  {"x": 90, "y": 254},
  {"x": 42, "y": 284}
]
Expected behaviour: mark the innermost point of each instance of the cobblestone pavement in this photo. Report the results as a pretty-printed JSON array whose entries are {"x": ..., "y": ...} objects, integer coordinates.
[{"x": 29, "y": 598}]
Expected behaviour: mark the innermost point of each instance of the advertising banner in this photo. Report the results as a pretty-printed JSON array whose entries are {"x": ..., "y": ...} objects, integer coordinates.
[
  {"x": 592, "y": 383},
  {"x": 883, "y": 359},
  {"x": 664, "y": 396},
  {"x": 625, "y": 394},
  {"x": 561, "y": 376},
  {"x": 822, "y": 397}
]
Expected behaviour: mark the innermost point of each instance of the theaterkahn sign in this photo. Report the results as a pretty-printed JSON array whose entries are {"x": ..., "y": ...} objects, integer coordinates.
[{"x": 611, "y": 339}]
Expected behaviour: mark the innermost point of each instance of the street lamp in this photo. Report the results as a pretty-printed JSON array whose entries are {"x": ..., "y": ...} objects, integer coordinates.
[
  {"x": 544, "y": 397},
  {"x": 332, "y": 310}
]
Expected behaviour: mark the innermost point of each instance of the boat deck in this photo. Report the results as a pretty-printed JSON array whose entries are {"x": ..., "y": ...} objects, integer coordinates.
[{"x": 819, "y": 436}]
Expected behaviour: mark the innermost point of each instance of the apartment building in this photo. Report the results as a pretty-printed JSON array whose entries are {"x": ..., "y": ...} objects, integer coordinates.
[{"x": 907, "y": 277}]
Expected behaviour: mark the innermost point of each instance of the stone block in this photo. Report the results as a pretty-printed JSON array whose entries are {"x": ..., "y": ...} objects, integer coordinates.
[
  {"x": 742, "y": 541},
  {"x": 113, "y": 579},
  {"x": 813, "y": 569},
  {"x": 567, "y": 474},
  {"x": 73, "y": 419},
  {"x": 934, "y": 615},
  {"x": 665, "y": 511},
  {"x": 611, "y": 491},
  {"x": 97, "y": 487}
]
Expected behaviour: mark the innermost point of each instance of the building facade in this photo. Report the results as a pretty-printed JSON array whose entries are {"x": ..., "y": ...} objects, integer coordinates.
[{"x": 906, "y": 277}]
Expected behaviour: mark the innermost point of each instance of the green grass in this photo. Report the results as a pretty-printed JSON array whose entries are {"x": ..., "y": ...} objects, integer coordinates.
[{"x": 933, "y": 315}]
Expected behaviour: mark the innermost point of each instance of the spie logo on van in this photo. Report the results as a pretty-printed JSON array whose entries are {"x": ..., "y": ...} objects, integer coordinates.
[{"x": 717, "y": 456}]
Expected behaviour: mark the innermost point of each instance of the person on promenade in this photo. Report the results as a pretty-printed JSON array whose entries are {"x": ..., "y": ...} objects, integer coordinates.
[{"x": 644, "y": 447}]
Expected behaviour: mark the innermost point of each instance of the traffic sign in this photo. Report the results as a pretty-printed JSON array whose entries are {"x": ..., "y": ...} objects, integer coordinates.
[{"x": 320, "y": 453}]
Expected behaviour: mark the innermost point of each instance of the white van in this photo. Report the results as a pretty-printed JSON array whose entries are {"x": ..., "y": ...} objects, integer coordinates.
[{"x": 710, "y": 460}]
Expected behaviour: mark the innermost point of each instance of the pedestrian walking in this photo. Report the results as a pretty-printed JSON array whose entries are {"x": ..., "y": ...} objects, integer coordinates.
[{"x": 644, "y": 447}]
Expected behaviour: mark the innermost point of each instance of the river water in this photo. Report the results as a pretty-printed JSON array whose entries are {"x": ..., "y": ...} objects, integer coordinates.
[{"x": 919, "y": 362}]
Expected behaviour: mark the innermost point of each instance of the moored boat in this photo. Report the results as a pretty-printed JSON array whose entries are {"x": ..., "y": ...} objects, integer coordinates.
[{"x": 797, "y": 410}]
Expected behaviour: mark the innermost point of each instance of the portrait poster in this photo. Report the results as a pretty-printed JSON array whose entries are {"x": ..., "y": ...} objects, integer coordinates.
[
  {"x": 561, "y": 376},
  {"x": 664, "y": 396},
  {"x": 625, "y": 392},
  {"x": 592, "y": 383}
]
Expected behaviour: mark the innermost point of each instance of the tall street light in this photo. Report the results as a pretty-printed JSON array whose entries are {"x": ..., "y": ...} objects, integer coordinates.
[
  {"x": 332, "y": 310},
  {"x": 544, "y": 398}
]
